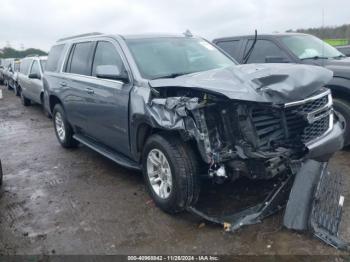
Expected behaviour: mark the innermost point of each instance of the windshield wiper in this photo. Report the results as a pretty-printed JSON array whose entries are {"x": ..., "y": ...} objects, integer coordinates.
[
  {"x": 339, "y": 56},
  {"x": 172, "y": 75},
  {"x": 314, "y": 57}
]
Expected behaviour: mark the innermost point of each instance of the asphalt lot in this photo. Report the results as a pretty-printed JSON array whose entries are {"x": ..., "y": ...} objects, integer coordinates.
[{"x": 58, "y": 201}]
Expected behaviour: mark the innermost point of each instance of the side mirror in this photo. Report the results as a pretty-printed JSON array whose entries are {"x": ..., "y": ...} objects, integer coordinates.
[
  {"x": 275, "y": 59},
  {"x": 34, "y": 76},
  {"x": 111, "y": 72}
]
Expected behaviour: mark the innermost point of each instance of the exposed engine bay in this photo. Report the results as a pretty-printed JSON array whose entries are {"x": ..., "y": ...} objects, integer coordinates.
[{"x": 257, "y": 140}]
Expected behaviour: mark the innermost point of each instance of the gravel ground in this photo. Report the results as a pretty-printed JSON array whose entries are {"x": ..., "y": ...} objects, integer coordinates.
[{"x": 59, "y": 201}]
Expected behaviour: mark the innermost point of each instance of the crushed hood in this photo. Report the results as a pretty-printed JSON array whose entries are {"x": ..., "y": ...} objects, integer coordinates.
[{"x": 276, "y": 83}]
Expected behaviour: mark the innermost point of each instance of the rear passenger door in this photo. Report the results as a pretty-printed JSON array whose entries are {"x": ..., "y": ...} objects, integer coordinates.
[
  {"x": 75, "y": 85},
  {"x": 109, "y": 122}
]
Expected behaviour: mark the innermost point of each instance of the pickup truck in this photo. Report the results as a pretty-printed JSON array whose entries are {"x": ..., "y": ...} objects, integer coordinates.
[{"x": 296, "y": 48}]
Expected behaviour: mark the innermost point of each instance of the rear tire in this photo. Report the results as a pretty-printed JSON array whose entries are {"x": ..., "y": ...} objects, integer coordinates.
[
  {"x": 343, "y": 108},
  {"x": 64, "y": 131},
  {"x": 184, "y": 187},
  {"x": 25, "y": 101}
]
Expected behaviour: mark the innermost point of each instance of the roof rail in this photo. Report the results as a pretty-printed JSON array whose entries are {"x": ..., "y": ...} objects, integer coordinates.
[{"x": 77, "y": 36}]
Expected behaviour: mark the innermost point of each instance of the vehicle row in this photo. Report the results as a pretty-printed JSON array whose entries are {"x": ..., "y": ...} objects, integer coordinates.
[{"x": 24, "y": 76}]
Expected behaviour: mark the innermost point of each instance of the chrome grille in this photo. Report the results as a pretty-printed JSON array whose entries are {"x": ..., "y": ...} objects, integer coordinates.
[{"x": 303, "y": 121}]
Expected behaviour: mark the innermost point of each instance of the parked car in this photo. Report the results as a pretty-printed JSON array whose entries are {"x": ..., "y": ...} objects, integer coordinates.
[
  {"x": 181, "y": 110},
  {"x": 30, "y": 84},
  {"x": 8, "y": 71},
  {"x": 13, "y": 76},
  {"x": 301, "y": 49},
  {"x": 1, "y": 71},
  {"x": 344, "y": 50}
]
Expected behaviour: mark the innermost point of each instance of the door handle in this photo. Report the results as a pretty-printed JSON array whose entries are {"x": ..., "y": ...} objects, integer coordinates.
[
  {"x": 89, "y": 91},
  {"x": 63, "y": 84}
]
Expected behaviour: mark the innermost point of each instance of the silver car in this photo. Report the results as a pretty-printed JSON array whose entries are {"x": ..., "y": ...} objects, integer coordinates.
[{"x": 30, "y": 85}]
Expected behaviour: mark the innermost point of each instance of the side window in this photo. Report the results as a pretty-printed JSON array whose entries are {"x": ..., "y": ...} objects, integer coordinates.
[
  {"x": 53, "y": 59},
  {"x": 79, "y": 61},
  {"x": 231, "y": 47},
  {"x": 106, "y": 54},
  {"x": 35, "y": 68},
  {"x": 264, "y": 49}
]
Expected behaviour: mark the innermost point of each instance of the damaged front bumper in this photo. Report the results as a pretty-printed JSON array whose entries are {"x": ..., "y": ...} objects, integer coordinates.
[
  {"x": 326, "y": 145},
  {"x": 312, "y": 201}
]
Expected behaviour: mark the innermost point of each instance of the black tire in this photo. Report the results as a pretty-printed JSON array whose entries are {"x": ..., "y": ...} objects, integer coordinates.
[
  {"x": 16, "y": 89},
  {"x": 25, "y": 101},
  {"x": 67, "y": 141},
  {"x": 343, "y": 108},
  {"x": 7, "y": 85},
  {"x": 184, "y": 168}
]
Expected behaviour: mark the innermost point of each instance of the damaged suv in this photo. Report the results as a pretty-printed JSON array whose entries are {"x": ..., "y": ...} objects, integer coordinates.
[{"x": 181, "y": 110}]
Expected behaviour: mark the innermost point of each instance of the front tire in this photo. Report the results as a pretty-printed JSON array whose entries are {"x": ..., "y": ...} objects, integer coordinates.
[
  {"x": 16, "y": 89},
  {"x": 343, "y": 108},
  {"x": 170, "y": 170},
  {"x": 64, "y": 132}
]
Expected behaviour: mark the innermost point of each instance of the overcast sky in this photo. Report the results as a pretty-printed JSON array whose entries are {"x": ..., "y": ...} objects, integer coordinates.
[{"x": 40, "y": 23}]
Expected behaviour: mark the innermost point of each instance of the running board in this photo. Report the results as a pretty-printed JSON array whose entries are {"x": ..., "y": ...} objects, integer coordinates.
[{"x": 112, "y": 155}]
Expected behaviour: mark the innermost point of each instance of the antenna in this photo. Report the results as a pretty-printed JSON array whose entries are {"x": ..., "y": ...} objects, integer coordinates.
[{"x": 188, "y": 33}]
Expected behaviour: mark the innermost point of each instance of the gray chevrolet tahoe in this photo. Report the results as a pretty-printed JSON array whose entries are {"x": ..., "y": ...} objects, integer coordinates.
[{"x": 181, "y": 110}]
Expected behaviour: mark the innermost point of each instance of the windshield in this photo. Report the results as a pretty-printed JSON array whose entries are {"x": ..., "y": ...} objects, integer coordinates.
[
  {"x": 174, "y": 56},
  {"x": 308, "y": 46}
]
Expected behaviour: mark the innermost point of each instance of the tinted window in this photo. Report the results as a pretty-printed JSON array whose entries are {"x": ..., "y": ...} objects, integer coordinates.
[
  {"x": 106, "y": 54},
  {"x": 231, "y": 47},
  {"x": 35, "y": 68},
  {"x": 53, "y": 59},
  {"x": 25, "y": 64},
  {"x": 263, "y": 49},
  {"x": 79, "y": 61}
]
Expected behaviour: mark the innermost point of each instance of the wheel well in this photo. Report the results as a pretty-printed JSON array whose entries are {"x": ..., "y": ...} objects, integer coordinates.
[
  {"x": 339, "y": 92},
  {"x": 53, "y": 100},
  {"x": 143, "y": 132}
]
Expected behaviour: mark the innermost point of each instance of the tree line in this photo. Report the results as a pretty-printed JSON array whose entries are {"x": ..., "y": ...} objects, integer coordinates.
[
  {"x": 327, "y": 32},
  {"x": 9, "y": 52}
]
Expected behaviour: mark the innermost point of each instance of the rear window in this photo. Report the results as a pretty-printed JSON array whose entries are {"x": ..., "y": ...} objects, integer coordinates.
[
  {"x": 25, "y": 64},
  {"x": 231, "y": 47},
  {"x": 79, "y": 61},
  {"x": 53, "y": 59}
]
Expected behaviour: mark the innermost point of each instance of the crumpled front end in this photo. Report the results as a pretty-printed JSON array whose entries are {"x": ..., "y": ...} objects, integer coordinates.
[
  {"x": 257, "y": 140},
  {"x": 271, "y": 129}
]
